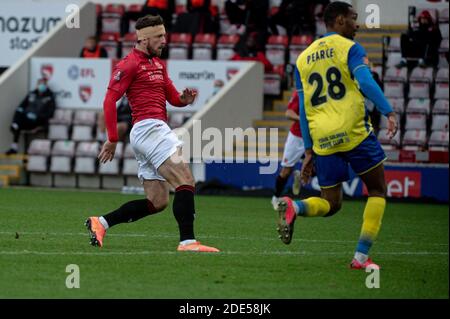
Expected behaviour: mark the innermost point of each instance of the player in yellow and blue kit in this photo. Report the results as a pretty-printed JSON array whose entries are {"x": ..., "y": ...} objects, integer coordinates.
[{"x": 333, "y": 78}]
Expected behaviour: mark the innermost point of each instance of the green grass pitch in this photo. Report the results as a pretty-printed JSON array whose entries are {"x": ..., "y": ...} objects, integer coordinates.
[{"x": 42, "y": 231}]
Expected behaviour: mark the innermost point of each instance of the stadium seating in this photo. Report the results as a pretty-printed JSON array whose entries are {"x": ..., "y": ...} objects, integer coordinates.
[
  {"x": 38, "y": 151},
  {"x": 61, "y": 164},
  {"x": 419, "y": 90},
  {"x": 419, "y": 74},
  {"x": 414, "y": 140},
  {"x": 444, "y": 46},
  {"x": 111, "y": 17},
  {"x": 441, "y": 107},
  {"x": 387, "y": 143},
  {"x": 441, "y": 91},
  {"x": 225, "y": 46},
  {"x": 398, "y": 104},
  {"x": 444, "y": 30},
  {"x": 110, "y": 171},
  {"x": 394, "y": 74},
  {"x": 439, "y": 122},
  {"x": 203, "y": 46},
  {"x": 133, "y": 8},
  {"x": 393, "y": 58},
  {"x": 394, "y": 44},
  {"x": 180, "y": 46},
  {"x": 38, "y": 154},
  {"x": 442, "y": 75},
  {"x": 297, "y": 45},
  {"x": 110, "y": 42},
  {"x": 128, "y": 43},
  {"x": 85, "y": 164},
  {"x": 130, "y": 167},
  {"x": 276, "y": 49},
  {"x": 393, "y": 90},
  {"x": 422, "y": 106},
  {"x": 84, "y": 122},
  {"x": 438, "y": 141},
  {"x": 416, "y": 121},
  {"x": 59, "y": 125}
]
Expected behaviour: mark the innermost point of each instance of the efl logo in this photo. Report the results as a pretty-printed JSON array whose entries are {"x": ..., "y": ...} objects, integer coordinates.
[{"x": 402, "y": 184}]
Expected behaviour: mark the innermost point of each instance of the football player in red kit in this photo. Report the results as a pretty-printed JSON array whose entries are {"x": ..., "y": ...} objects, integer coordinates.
[
  {"x": 293, "y": 152},
  {"x": 143, "y": 77}
]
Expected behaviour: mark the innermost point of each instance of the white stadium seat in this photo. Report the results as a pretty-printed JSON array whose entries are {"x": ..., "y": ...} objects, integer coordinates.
[
  {"x": 441, "y": 91},
  {"x": 438, "y": 141},
  {"x": 419, "y": 74},
  {"x": 414, "y": 140},
  {"x": 439, "y": 122},
  {"x": 394, "y": 74},
  {"x": 419, "y": 90},
  {"x": 441, "y": 107},
  {"x": 419, "y": 106},
  {"x": 393, "y": 89},
  {"x": 416, "y": 122}
]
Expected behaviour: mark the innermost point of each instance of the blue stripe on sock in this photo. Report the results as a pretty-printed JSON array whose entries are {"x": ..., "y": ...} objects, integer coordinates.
[
  {"x": 301, "y": 207},
  {"x": 364, "y": 245}
]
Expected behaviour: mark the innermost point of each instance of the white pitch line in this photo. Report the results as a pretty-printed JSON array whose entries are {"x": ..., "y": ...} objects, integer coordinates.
[
  {"x": 12, "y": 233},
  {"x": 262, "y": 253}
]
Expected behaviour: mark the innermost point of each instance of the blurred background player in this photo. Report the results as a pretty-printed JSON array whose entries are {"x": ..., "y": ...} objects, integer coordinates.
[
  {"x": 35, "y": 111},
  {"x": 293, "y": 152},
  {"x": 92, "y": 50},
  {"x": 143, "y": 77},
  {"x": 336, "y": 129}
]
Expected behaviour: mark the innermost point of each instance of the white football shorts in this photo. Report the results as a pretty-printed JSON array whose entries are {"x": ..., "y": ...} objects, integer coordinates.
[
  {"x": 294, "y": 148},
  {"x": 153, "y": 143}
]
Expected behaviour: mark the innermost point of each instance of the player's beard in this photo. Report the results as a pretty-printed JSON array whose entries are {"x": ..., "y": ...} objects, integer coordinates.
[{"x": 155, "y": 53}]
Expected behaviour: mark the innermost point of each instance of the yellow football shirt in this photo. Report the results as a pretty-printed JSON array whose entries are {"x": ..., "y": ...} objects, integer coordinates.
[{"x": 333, "y": 103}]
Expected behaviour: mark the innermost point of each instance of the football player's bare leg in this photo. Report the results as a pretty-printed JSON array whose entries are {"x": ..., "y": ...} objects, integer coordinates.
[{"x": 178, "y": 174}]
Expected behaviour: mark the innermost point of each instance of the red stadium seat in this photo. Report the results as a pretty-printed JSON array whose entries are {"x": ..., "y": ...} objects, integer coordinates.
[
  {"x": 179, "y": 46},
  {"x": 203, "y": 46},
  {"x": 109, "y": 41},
  {"x": 134, "y": 8},
  {"x": 111, "y": 17},
  {"x": 276, "y": 49},
  {"x": 297, "y": 45},
  {"x": 225, "y": 46},
  {"x": 128, "y": 43}
]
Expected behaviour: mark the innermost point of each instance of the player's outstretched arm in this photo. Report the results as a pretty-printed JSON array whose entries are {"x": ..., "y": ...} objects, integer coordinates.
[{"x": 188, "y": 96}]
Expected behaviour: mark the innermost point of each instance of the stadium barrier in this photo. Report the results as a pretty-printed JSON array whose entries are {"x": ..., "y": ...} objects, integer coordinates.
[{"x": 424, "y": 181}]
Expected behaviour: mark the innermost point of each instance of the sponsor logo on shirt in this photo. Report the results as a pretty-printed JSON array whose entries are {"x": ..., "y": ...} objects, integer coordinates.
[{"x": 118, "y": 75}]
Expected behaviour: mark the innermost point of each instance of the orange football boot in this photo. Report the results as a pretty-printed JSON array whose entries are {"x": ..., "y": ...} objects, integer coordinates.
[
  {"x": 96, "y": 231},
  {"x": 197, "y": 247}
]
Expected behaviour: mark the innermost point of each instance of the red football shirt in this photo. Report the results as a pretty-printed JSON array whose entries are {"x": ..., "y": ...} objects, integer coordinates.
[
  {"x": 147, "y": 85},
  {"x": 294, "y": 106}
]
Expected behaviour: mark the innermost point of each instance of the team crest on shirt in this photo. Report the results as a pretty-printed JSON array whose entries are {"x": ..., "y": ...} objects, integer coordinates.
[
  {"x": 118, "y": 75},
  {"x": 85, "y": 92}
]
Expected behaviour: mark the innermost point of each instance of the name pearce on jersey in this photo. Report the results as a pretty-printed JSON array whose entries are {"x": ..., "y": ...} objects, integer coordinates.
[{"x": 320, "y": 55}]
